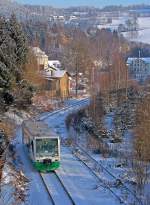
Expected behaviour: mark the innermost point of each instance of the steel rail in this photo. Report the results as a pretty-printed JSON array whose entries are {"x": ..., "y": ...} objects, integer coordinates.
[
  {"x": 62, "y": 109},
  {"x": 61, "y": 182},
  {"x": 62, "y": 185},
  {"x": 108, "y": 172},
  {"x": 101, "y": 181},
  {"x": 47, "y": 189}
]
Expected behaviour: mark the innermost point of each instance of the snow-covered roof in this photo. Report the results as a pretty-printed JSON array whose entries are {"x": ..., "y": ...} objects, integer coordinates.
[
  {"x": 146, "y": 60},
  {"x": 54, "y": 63},
  {"x": 38, "y": 129},
  {"x": 54, "y": 74},
  {"x": 50, "y": 69},
  {"x": 46, "y": 73},
  {"x": 59, "y": 73},
  {"x": 54, "y": 70}
]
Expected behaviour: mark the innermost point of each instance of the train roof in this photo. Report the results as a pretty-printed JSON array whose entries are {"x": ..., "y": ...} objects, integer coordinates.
[{"x": 38, "y": 129}]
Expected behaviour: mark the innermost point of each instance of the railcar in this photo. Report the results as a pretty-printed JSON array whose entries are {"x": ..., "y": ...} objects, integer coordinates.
[{"x": 42, "y": 144}]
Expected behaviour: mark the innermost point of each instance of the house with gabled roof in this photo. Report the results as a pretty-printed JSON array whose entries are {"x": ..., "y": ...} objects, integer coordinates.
[{"x": 57, "y": 79}]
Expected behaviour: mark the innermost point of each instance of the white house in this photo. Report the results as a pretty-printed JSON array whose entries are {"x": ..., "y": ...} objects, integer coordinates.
[{"x": 139, "y": 68}]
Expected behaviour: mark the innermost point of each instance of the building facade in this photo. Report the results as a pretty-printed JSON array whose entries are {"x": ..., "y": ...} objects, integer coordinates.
[
  {"x": 139, "y": 68},
  {"x": 42, "y": 58},
  {"x": 58, "y": 84},
  {"x": 57, "y": 79}
]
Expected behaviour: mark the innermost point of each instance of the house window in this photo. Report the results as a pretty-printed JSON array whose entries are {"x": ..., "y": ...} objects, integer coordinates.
[
  {"x": 48, "y": 86},
  {"x": 41, "y": 66}
]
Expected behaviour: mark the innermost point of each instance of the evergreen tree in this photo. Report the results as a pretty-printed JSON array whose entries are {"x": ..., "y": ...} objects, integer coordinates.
[
  {"x": 13, "y": 55},
  {"x": 16, "y": 33},
  {"x": 5, "y": 78}
]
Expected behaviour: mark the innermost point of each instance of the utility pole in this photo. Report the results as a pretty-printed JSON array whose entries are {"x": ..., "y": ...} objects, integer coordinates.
[
  {"x": 76, "y": 78},
  {"x": 94, "y": 93},
  {"x": 139, "y": 69},
  {"x": 126, "y": 83},
  {"x": 119, "y": 73}
]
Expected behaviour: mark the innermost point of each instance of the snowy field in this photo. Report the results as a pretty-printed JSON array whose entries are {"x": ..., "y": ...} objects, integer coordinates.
[
  {"x": 115, "y": 23},
  {"x": 143, "y": 36},
  {"x": 143, "y": 33}
]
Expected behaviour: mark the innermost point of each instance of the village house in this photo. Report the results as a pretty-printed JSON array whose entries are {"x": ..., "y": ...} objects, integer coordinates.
[
  {"x": 139, "y": 68},
  {"x": 57, "y": 80},
  {"x": 42, "y": 58}
]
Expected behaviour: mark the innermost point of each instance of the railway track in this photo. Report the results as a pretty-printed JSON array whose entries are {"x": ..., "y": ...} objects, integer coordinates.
[
  {"x": 110, "y": 181},
  {"x": 95, "y": 167},
  {"x": 56, "y": 189},
  {"x": 80, "y": 102},
  {"x": 125, "y": 195}
]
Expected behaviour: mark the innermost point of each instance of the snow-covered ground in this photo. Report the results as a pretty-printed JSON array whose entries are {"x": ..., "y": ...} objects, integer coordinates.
[
  {"x": 17, "y": 119},
  {"x": 144, "y": 22},
  {"x": 143, "y": 35},
  {"x": 67, "y": 104},
  {"x": 56, "y": 189},
  {"x": 117, "y": 164},
  {"x": 37, "y": 192},
  {"x": 115, "y": 23},
  {"x": 72, "y": 171},
  {"x": 81, "y": 183},
  {"x": 83, "y": 186},
  {"x": 57, "y": 121}
]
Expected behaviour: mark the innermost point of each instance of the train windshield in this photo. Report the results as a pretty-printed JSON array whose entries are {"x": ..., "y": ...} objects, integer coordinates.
[{"x": 46, "y": 147}]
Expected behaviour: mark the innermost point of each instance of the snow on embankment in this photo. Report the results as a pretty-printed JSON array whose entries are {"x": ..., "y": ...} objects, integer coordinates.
[
  {"x": 13, "y": 182},
  {"x": 17, "y": 117}
]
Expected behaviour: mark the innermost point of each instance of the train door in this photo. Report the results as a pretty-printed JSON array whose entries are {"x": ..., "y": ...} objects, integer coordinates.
[
  {"x": 59, "y": 148},
  {"x": 31, "y": 149}
]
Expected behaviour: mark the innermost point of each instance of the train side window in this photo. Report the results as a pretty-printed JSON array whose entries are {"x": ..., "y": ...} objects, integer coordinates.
[{"x": 32, "y": 146}]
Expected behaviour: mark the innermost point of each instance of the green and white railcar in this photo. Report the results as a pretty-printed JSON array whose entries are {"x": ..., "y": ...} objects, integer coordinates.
[{"x": 43, "y": 145}]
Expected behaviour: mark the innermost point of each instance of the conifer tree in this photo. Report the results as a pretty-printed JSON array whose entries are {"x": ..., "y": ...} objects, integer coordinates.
[
  {"x": 13, "y": 55},
  {"x": 16, "y": 33}
]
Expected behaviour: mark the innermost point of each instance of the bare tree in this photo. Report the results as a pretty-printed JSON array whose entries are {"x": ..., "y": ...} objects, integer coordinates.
[{"x": 141, "y": 144}]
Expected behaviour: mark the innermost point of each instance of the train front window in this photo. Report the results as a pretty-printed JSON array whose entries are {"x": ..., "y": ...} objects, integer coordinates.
[{"x": 46, "y": 147}]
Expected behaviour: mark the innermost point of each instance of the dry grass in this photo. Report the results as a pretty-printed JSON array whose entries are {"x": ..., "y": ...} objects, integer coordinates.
[{"x": 7, "y": 128}]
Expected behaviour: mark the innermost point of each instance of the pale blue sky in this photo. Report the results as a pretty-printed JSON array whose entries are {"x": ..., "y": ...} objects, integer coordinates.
[{"x": 96, "y": 3}]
